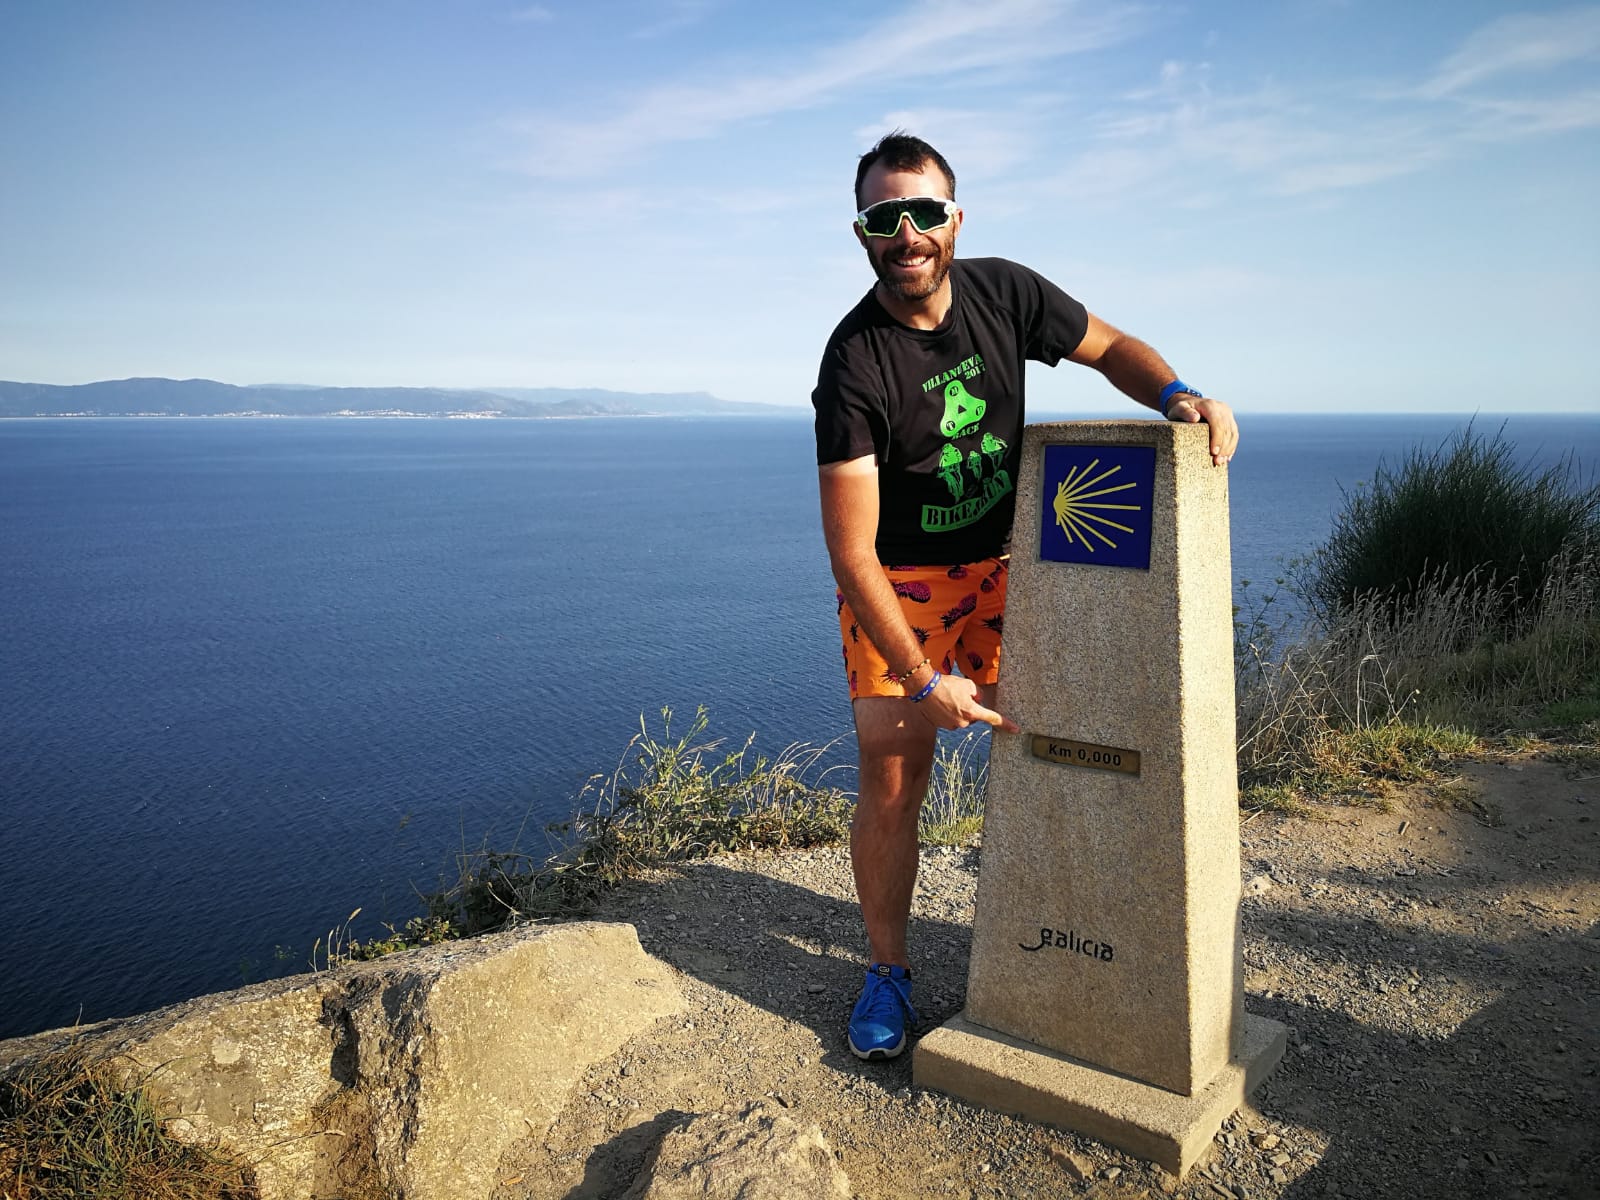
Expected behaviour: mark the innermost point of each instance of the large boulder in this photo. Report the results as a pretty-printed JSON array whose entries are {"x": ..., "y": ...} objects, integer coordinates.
[
  {"x": 407, "y": 1077},
  {"x": 753, "y": 1153}
]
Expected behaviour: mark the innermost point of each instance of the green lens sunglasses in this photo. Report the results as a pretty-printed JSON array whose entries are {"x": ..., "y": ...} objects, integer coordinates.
[{"x": 927, "y": 213}]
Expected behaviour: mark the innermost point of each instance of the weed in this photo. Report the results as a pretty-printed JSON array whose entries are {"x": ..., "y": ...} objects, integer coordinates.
[
  {"x": 1574, "y": 713},
  {"x": 337, "y": 948},
  {"x": 670, "y": 798},
  {"x": 1386, "y": 693},
  {"x": 70, "y": 1127},
  {"x": 952, "y": 813},
  {"x": 1279, "y": 798},
  {"x": 1516, "y": 742},
  {"x": 418, "y": 931}
]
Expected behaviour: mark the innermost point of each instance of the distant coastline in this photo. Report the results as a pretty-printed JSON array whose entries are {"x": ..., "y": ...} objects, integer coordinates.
[
  {"x": 775, "y": 411},
  {"x": 160, "y": 397}
]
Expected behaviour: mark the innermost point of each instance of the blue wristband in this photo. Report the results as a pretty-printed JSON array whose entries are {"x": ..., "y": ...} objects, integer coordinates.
[
  {"x": 927, "y": 689},
  {"x": 1176, "y": 388}
]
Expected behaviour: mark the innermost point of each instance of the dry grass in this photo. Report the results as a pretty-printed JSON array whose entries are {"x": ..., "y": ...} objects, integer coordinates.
[
  {"x": 952, "y": 814},
  {"x": 1275, "y": 797},
  {"x": 1389, "y": 695},
  {"x": 672, "y": 797},
  {"x": 74, "y": 1128}
]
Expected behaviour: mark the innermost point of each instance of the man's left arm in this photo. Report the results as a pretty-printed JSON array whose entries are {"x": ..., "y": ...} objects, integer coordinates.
[{"x": 1135, "y": 369}]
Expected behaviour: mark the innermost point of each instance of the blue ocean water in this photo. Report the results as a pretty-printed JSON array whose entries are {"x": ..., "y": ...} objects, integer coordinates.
[{"x": 255, "y": 674}]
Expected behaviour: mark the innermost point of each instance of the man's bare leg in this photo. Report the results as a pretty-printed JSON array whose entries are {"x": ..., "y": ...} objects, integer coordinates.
[
  {"x": 896, "y": 758},
  {"x": 897, "y": 747}
]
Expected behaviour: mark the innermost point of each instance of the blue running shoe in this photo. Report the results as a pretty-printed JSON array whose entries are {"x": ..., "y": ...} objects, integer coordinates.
[{"x": 878, "y": 1021}]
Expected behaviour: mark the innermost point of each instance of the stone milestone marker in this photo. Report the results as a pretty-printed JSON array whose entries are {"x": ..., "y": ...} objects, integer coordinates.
[{"x": 1106, "y": 986}]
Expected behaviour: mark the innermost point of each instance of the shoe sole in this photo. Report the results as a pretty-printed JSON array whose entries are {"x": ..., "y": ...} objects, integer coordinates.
[{"x": 880, "y": 1054}]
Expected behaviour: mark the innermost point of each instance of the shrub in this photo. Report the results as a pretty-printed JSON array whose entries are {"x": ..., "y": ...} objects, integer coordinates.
[{"x": 1464, "y": 513}]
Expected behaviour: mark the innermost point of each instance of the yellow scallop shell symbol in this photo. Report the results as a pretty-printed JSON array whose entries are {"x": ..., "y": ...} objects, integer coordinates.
[{"x": 1078, "y": 508}]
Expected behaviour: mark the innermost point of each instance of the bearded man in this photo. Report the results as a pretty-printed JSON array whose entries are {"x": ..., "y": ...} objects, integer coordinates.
[{"x": 919, "y": 414}]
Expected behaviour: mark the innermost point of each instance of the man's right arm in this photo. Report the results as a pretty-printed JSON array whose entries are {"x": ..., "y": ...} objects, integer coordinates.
[
  {"x": 849, "y": 493},
  {"x": 850, "y": 527}
]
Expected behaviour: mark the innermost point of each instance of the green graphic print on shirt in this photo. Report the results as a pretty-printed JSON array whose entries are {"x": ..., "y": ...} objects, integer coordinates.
[{"x": 963, "y": 417}]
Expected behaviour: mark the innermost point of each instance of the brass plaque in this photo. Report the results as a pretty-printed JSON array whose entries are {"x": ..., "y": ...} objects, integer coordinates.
[{"x": 1085, "y": 754}]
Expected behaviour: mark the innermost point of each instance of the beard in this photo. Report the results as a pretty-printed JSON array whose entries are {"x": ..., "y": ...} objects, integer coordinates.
[{"x": 928, "y": 280}]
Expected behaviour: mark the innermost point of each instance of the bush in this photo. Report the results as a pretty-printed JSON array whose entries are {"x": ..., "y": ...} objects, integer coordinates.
[{"x": 1465, "y": 513}]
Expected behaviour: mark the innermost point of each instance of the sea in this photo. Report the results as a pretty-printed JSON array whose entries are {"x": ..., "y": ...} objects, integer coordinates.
[{"x": 258, "y": 674}]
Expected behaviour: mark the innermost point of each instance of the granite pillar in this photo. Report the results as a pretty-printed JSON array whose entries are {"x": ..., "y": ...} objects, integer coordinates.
[{"x": 1106, "y": 984}]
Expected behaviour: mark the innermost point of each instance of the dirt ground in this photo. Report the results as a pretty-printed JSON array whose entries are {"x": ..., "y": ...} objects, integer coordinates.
[{"x": 1438, "y": 968}]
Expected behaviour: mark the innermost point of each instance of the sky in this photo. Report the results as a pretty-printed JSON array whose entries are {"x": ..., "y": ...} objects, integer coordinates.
[{"x": 1306, "y": 205}]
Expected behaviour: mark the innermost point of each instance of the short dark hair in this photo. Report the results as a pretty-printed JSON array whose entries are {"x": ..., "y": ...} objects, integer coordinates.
[{"x": 899, "y": 151}]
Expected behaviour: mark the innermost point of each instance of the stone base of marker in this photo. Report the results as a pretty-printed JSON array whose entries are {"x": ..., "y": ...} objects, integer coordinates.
[{"x": 1007, "y": 1074}]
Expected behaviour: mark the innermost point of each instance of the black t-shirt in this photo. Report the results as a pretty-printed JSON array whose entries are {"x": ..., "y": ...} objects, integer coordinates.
[{"x": 942, "y": 409}]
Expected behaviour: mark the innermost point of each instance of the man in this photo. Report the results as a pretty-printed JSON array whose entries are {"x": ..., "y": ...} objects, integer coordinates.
[{"x": 919, "y": 413}]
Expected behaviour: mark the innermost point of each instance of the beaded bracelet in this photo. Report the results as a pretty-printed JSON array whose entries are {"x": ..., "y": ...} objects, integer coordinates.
[
  {"x": 927, "y": 689},
  {"x": 901, "y": 679}
]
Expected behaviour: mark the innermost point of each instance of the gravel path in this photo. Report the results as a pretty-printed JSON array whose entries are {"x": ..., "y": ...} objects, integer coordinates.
[{"x": 1439, "y": 970}]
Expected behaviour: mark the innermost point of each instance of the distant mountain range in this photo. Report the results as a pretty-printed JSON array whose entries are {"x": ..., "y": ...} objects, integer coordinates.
[{"x": 208, "y": 398}]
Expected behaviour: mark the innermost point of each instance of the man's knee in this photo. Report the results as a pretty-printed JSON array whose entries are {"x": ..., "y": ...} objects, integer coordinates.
[
  {"x": 893, "y": 786},
  {"x": 896, "y": 747}
]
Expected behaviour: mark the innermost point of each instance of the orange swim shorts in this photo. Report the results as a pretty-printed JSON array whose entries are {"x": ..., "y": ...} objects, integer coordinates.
[{"x": 957, "y": 614}]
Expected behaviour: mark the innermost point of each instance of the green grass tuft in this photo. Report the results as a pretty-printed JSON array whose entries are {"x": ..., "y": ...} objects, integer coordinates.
[
  {"x": 1573, "y": 714},
  {"x": 70, "y": 1128},
  {"x": 1278, "y": 798}
]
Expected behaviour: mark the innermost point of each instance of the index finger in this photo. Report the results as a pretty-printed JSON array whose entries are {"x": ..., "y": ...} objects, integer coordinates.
[{"x": 989, "y": 716}]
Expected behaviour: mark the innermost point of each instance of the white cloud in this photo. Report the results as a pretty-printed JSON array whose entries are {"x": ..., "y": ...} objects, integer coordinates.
[
  {"x": 1518, "y": 44},
  {"x": 960, "y": 37},
  {"x": 679, "y": 15},
  {"x": 536, "y": 13},
  {"x": 978, "y": 143},
  {"x": 1309, "y": 139},
  {"x": 1510, "y": 119}
]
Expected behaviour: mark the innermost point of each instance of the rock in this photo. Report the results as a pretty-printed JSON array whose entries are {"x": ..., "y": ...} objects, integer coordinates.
[
  {"x": 1258, "y": 886},
  {"x": 1077, "y": 1167},
  {"x": 753, "y": 1153},
  {"x": 1264, "y": 1141},
  {"x": 408, "y": 1076}
]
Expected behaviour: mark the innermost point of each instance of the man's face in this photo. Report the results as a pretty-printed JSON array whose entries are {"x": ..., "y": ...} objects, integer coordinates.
[{"x": 912, "y": 265}]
